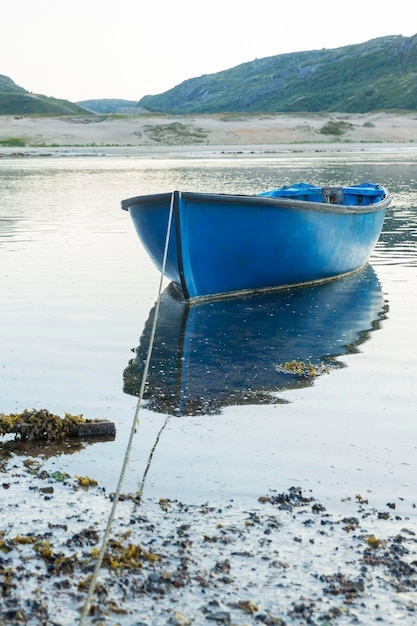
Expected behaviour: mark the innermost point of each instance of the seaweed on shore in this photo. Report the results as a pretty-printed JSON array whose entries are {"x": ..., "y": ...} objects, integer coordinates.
[{"x": 41, "y": 424}]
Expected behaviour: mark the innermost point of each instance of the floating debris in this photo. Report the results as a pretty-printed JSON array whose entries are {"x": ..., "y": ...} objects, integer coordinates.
[
  {"x": 306, "y": 370},
  {"x": 41, "y": 424}
]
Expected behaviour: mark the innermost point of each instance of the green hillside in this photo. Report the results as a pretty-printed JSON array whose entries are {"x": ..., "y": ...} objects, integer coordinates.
[
  {"x": 378, "y": 74},
  {"x": 15, "y": 100},
  {"x": 112, "y": 106}
]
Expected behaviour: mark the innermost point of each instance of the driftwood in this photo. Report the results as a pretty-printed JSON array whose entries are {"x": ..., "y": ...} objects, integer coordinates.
[{"x": 95, "y": 428}]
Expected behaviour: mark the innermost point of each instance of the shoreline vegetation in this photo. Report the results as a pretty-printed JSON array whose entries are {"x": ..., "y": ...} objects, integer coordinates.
[{"x": 153, "y": 134}]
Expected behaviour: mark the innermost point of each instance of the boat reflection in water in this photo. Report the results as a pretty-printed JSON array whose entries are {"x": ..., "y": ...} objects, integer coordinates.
[{"x": 231, "y": 352}]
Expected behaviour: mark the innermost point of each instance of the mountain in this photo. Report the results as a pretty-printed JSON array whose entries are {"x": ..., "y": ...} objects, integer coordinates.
[
  {"x": 112, "y": 106},
  {"x": 15, "y": 100},
  {"x": 378, "y": 74}
]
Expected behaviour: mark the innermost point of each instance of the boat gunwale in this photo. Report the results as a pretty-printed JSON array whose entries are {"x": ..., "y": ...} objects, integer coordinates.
[{"x": 260, "y": 201}]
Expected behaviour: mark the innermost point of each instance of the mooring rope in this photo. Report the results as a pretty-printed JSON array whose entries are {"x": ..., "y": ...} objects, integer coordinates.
[
  {"x": 93, "y": 582},
  {"x": 152, "y": 452}
]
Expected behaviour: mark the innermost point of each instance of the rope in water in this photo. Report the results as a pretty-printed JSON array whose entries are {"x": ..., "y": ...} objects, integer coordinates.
[
  {"x": 148, "y": 465},
  {"x": 93, "y": 582}
]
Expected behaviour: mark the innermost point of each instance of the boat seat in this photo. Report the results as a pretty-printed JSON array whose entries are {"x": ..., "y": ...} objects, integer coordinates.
[{"x": 332, "y": 195}]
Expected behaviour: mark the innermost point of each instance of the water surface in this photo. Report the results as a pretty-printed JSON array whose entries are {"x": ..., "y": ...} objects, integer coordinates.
[{"x": 77, "y": 294}]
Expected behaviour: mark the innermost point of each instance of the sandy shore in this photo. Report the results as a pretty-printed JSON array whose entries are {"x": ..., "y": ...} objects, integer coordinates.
[{"x": 144, "y": 134}]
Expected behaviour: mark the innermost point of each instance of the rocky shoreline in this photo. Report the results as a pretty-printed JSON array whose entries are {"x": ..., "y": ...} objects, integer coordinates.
[{"x": 286, "y": 560}]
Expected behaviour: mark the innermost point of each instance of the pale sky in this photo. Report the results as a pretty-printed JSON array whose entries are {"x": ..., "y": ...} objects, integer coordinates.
[{"x": 88, "y": 49}]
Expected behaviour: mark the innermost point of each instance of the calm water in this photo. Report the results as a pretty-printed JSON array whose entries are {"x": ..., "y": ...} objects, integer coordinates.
[{"x": 77, "y": 293}]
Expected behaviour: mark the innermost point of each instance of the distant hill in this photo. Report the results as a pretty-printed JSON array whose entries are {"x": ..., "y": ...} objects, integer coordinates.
[
  {"x": 112, "y": 106},
  {"x": 378, "y": 74},
  {"x": 15, "y": 100}
]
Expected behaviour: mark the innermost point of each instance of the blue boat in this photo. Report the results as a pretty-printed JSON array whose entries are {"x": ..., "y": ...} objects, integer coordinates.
[{"x": 220, "y": 245}]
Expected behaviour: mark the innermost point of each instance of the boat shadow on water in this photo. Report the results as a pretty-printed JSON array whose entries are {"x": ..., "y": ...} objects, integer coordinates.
[{"x": 246, "y": 350}]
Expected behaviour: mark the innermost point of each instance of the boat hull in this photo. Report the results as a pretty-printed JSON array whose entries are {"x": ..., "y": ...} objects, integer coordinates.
[{"x": 222, "y": 244}]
